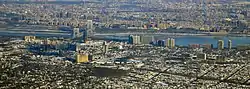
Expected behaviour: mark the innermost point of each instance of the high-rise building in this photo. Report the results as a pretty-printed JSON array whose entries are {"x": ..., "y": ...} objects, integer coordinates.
[
  {"x": 105, "y": 47},
  {"x": 161, "y": 43},
  {"x": 158, "y": 43},
  {"x": 85, "y": 36},
  {"x": 146, "y": 39},
  {"x": 134, "y": 39},
  {"x": 229, "y": 44},
  {"x": 130, "y": 39},
  {"x": 78, "y": 48},
  {"x": 170, "y": 43},
  {"x": 90, "y": 28},
  {"x": 89, "y": 24},
  {"x": 75, "y": 33},
  {"x": 220, "y": 44}
]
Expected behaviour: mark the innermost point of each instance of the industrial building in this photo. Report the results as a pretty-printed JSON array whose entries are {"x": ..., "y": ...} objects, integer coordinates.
[
  {"x": 207, "y": 46},
  {"x": 81, "y": 58},
  {"x": 194, "y": 46}
]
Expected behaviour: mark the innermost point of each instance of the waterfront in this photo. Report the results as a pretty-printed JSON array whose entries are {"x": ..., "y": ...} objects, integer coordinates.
[
  {"x": 186, "y": 40},
  {"x": 180, "y": 40}
]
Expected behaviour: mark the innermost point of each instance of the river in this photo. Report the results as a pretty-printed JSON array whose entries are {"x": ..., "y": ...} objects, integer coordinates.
[
  {"x": 186, "y": 40},
  {"x": 182, "y": 40}
]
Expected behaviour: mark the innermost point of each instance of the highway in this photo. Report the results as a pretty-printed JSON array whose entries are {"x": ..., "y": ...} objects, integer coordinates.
[{"x": 145, "y": 33}]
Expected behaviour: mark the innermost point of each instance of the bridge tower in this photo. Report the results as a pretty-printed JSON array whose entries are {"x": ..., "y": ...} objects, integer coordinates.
[{"x": 204, "y": 11}]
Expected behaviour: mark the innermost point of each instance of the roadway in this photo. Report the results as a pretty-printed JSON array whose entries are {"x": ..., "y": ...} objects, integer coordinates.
[{"x": 145, "y": 33}]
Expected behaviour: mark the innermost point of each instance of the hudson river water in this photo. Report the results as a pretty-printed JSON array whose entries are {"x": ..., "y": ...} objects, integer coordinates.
[
  {"x": 179, "y": 40},
  {"x": 186, "y": 40}
]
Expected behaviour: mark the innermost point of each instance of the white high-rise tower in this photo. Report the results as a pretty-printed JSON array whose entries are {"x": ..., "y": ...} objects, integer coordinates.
[
  {"x": 90, "y": 28},
  {"x": 76, "y": 33},
  {"x": 89, "y": 24}
]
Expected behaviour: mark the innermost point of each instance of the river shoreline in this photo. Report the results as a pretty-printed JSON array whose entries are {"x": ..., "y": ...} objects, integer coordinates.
[{"x": 173, "y": 34}]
